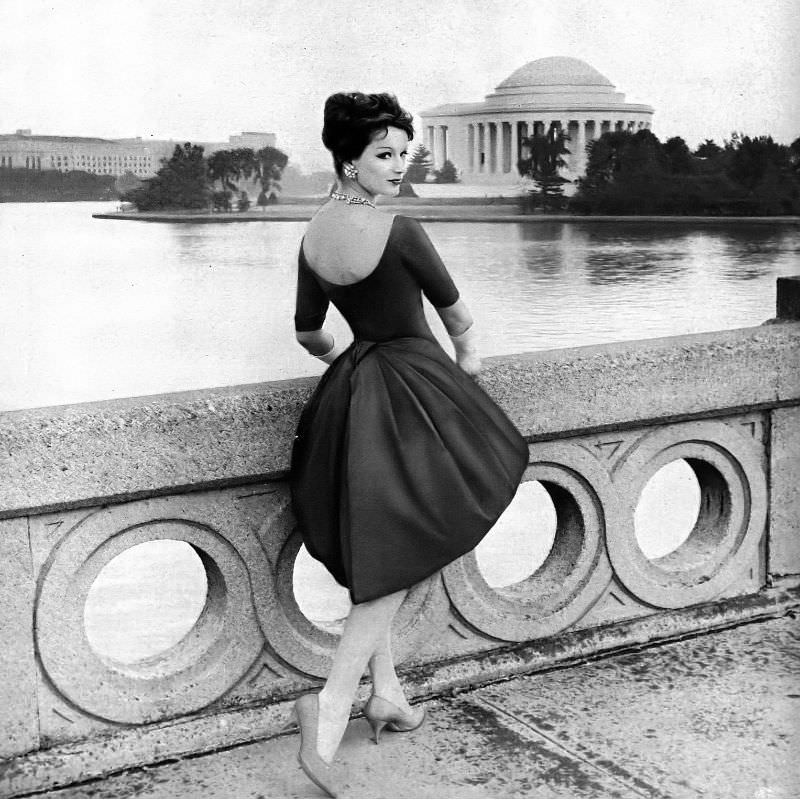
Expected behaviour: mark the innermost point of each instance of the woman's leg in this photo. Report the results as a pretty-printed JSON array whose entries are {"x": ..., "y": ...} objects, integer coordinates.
[
  {"x": 385, "y": 682},
  {"x": 366, "y": 628}
]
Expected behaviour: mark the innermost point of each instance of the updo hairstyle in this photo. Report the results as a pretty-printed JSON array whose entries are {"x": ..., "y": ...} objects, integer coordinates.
[{"x": 353, "y": 118}]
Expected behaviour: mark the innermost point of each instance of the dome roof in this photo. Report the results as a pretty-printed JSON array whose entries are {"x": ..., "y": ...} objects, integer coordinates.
[{"x": 555, "y": 71}]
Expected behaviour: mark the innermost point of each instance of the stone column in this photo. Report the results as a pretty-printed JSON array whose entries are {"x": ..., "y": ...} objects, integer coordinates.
[
  {"x": 501, "y": 148},
  {"x": 514, "y": 147},
  {"x": 480, "y": 140},
  {"x": 580, "y": 148},
  {"x": 438, "y": 147},
  {"x": 471, "y": 148}
]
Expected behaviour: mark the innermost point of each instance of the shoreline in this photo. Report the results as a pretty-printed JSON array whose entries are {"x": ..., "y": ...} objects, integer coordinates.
[{"x": 430, "y": 212}]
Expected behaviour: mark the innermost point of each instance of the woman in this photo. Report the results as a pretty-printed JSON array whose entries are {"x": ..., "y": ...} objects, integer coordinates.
[{"x": 401, "y": 462}]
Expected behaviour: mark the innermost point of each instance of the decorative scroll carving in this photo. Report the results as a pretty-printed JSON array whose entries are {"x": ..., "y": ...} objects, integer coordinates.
[
  {"x": 575, "y": 573},
  {"x": 730, "y": 524},
  {"x": 199, "y": 669}
]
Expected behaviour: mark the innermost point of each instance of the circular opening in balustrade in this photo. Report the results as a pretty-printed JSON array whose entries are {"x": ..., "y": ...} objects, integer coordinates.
[
  {"x": 522, "y": 538},
  {"x": 320, "y": 598},
  {"x": 682, "y": 515},
  {"x": 667, "y": 510},
  {"x": 145, "y": 600},
  {"x": 554, "y": 565}
]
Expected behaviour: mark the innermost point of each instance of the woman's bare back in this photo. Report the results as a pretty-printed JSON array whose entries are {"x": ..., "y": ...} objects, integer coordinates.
[{"x": 343, "y": 244}]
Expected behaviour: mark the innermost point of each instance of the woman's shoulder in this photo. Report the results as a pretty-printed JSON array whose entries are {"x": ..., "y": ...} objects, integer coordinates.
[
  {"x": 407, "y": 229},
  {"x": 409, "y": 234}
]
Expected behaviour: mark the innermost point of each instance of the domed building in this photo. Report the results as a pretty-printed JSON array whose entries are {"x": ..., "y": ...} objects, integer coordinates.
[{"x": 483, "y": 139}]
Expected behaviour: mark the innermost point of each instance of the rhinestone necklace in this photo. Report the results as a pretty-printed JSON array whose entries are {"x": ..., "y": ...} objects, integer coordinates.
[{"x": 351, "y": 199}]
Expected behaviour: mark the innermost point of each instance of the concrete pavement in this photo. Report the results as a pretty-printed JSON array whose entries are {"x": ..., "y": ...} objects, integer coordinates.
[{"x": 711, "y": 716}]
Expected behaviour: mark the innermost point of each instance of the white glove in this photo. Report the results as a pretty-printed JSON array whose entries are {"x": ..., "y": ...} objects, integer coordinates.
[
  {"x": 332, "y": 354},
  {"x": 466, "y": 347}
]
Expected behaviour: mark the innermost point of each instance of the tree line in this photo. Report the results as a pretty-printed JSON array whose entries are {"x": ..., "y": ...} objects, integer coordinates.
[
  {"x": 635, "y": 173},
  {"x": 626, "y": 173},
  {"x": 190, "y": 180},
  {"x": 19, "y": 184}
]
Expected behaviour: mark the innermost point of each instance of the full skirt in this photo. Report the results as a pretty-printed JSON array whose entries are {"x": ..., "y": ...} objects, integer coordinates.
[{"x": 401, "y": 464}]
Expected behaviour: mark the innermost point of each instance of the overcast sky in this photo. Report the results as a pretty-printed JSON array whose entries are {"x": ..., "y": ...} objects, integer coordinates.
[{"x": 202, "y": 70}]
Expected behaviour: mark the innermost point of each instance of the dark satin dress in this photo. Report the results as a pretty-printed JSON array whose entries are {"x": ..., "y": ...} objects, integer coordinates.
[{"x": 401, "y": 463}]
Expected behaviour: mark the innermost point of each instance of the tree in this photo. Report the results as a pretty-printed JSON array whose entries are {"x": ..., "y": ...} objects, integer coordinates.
[
  {"x": 603, "y": 162},
  {"x": 678, "y": 156},
  {"x": 269, "y": 163},
  {"x": 181, "y": 182},
  {"x": 419, "y": 165},
  {"x": 752, "y": 157},
  {"x": 794, "y": 157},
  {"x": 224, "y": 166},
  {"x": 447, "y": 174},
  {"x": 767, "y": 171},
  {"x": 635, "y": 174},
  {"x": 708, "y": 149},
  {"x": 542, "y": 163}
]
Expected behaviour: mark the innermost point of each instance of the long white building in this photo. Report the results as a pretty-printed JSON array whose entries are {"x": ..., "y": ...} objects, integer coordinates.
[
  {"x": 140, "y": 156},
  {"x": 483, "y": 140}
]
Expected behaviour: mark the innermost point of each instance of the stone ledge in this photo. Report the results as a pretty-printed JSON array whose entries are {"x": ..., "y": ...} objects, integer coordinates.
[{"x": 74, "y": 455}]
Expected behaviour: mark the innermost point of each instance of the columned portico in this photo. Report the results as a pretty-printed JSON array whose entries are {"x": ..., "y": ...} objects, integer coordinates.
[
  {"x": 492, "y": 148},
  {"x": 484, "y": 140}
]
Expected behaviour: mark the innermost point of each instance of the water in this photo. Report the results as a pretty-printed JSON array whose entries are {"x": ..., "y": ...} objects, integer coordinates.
[{"x": 94, "y": 309}]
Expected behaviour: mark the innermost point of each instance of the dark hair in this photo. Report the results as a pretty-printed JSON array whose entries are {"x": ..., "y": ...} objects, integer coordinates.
[{"x": 353, "y": 118}]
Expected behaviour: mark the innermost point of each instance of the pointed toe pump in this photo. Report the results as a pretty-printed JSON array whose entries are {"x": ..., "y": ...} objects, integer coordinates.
[
  {"x": 306, "y": 709},
  {"x": 383, "y": 714}
]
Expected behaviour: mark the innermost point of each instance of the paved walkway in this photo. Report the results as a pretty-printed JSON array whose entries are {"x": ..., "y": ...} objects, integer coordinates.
[{"x": 712, "y": 716}]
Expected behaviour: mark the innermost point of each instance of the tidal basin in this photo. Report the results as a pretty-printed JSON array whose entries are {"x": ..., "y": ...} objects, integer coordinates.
[{"x": 93, "y": 309}]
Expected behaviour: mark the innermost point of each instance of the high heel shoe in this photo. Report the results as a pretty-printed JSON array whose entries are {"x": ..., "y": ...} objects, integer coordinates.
[
  {"x": 381, "y": 713},
  {"x": 306, "y": 710}
]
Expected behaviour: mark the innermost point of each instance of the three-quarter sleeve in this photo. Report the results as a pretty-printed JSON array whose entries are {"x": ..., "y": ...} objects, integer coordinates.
[
  {"x": 311, "y": 304},
  {"x": 422, "y": 260}
]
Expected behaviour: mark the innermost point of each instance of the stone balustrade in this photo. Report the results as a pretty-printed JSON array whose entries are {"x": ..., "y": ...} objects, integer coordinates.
[{"x": 80, "y": 484}]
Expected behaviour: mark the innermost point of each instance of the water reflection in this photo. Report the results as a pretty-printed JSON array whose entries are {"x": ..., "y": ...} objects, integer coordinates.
[
  {"x": 625, "y": 264},
  {"x": 753, "y": 254}
]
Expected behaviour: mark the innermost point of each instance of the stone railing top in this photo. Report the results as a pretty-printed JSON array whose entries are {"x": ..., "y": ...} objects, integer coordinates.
[{"x": 73, "y": 455}]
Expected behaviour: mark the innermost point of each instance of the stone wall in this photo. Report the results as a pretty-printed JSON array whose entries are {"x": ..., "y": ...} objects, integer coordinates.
[{"x": 81, "y": 484}]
